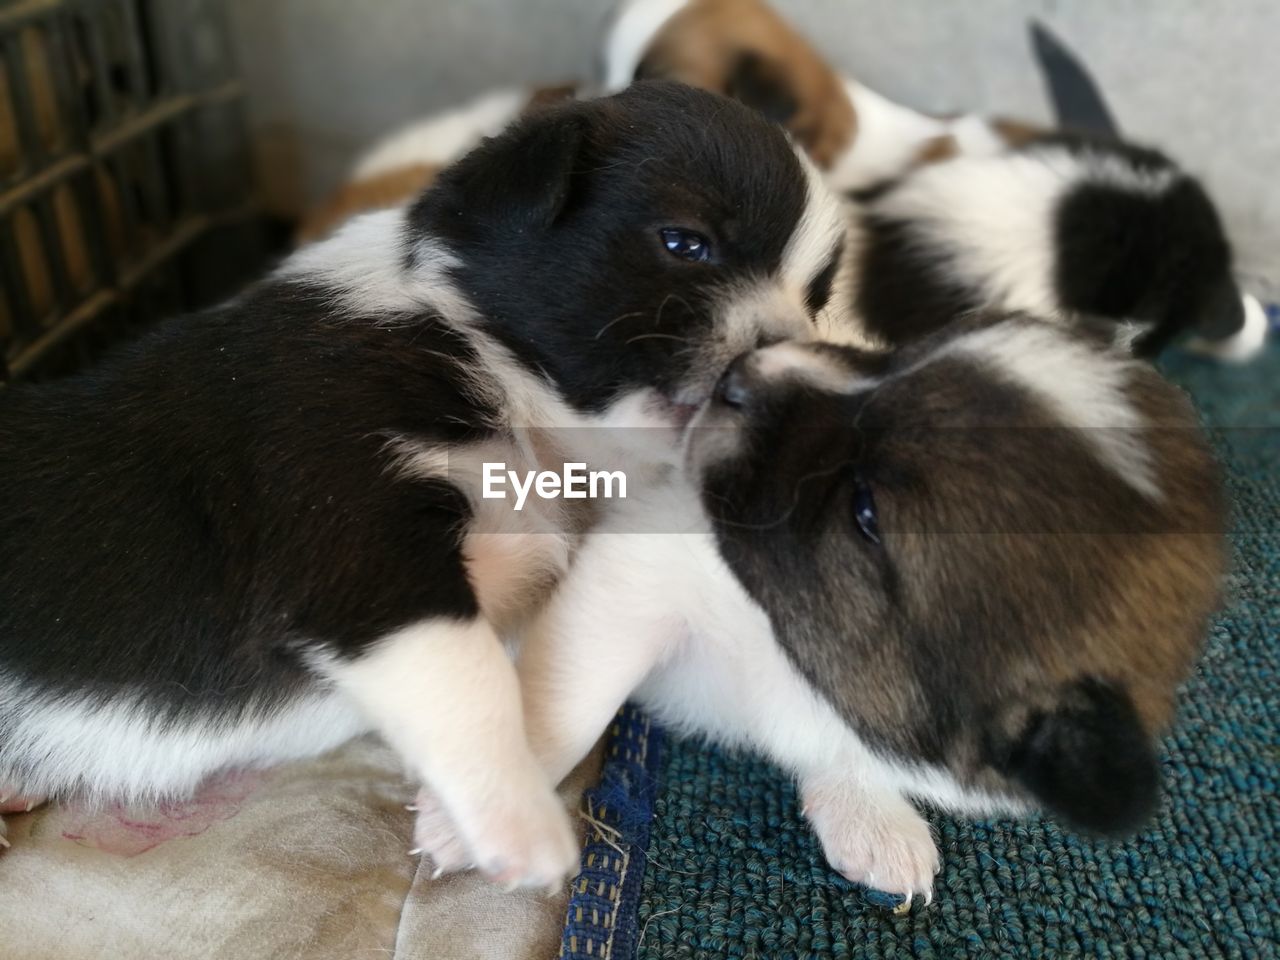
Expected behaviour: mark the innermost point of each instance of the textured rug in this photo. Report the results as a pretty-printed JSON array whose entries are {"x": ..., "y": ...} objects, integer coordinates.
[{"x": 730, "y": 870}]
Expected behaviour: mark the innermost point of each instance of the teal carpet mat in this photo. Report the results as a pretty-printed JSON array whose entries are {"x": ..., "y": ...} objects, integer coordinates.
[{"x": 730, "y": 869}]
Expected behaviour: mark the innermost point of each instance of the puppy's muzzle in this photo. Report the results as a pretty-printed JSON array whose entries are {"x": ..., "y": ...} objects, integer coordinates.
[{"x": 735, "y": 388}]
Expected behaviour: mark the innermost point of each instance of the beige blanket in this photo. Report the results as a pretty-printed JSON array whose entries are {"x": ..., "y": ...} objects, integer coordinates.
[{"x": 308, "y": 860}]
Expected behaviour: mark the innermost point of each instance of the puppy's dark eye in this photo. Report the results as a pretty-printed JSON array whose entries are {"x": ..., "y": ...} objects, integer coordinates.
[
  {"x": 864, "y": 510},
  {"x": 686, "y": 244}
]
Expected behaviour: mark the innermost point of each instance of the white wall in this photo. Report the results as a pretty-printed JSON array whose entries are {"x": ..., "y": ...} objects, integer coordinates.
[{"x": 1198, "y": 78}]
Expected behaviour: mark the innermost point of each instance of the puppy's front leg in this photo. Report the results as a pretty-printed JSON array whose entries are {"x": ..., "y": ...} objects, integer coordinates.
[
  {"x": 869, "y": 833},
  {"x": 445, "y": 694},
  {"x": 736, "y": 684},
  {"x": 593, "y": 644},
  {"x": 582, "y": 656}
]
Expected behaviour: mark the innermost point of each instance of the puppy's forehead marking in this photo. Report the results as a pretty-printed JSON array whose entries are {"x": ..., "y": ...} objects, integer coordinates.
[
  {"x": 816, "y": 234},
  {"x": 1083, "y": 387},
  {"x": 794, "y": 361}
]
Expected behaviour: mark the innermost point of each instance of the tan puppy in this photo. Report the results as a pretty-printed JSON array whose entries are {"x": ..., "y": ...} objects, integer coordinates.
[{"x": 744, "y": 49}]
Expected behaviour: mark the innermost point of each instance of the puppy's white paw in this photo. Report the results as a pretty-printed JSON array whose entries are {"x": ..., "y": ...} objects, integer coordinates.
[
  {"x": 522, "y": 838},
  {"x": 876, "y": 839}
]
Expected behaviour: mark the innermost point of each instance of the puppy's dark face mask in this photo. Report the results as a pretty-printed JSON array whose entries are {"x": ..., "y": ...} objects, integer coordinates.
[
  {"x": 638, "y": 241},
  {"x": 994, "y": 554}
]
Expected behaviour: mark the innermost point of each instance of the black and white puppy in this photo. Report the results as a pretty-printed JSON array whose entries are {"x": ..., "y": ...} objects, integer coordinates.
[
  {"x": 258, "y": 531},
  {"x": 1058, "y": 225},
  {"x": 970, "y": 573}
]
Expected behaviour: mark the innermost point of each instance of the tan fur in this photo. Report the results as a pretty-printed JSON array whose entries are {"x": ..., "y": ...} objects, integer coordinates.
[
  {"x": 1016, "y": 133},
  {"x": 701, "y": 43},
  {"x": 936, "y": 150},
  {"x": 388, "y": 189},
  {"x": 544, "y": 97}
]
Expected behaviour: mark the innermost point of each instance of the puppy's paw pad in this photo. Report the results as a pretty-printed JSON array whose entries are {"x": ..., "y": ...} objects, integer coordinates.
[{"x": 880, "y": 843}]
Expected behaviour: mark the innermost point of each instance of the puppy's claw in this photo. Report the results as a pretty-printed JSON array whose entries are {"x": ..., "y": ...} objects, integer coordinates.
[
  {"x": 415, "y": 852},
  {"x": 4, "y": 842},
  {"x": 904, "y": 907}
]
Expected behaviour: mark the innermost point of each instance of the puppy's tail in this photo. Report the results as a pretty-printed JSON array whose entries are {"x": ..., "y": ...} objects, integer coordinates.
[{"x": 1086, "y": 758}]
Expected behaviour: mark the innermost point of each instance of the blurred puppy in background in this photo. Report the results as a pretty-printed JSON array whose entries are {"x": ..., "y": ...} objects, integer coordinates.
[
  {"x": 955, "y": 214},
  {"x": 946, "y": 214}
]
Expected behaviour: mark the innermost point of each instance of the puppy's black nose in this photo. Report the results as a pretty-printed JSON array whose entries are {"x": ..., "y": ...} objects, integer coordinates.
[{"x": 734, "y": 389}]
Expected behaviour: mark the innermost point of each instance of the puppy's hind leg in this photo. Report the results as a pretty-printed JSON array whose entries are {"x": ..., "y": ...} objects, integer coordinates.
[{"x": 444, "y": 693}]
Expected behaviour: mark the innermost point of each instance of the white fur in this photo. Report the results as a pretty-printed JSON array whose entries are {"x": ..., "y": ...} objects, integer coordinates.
[
  {"x": 117, "y": 749},
  {"x": 890, "y": 137},
  {"x": 975, "y": 137},
  {"x": 1245, "y": 344},
  {"x": 1083, "y": 388},
  {"x": 445, "y": 695},
  {"x": 703, "y": 660},
  {"x": 364, "y": 264},
  {"x": 791, "y": 360},
  {"x": 995, "y": 217},
  {"x": 820, "y": 228},
  {"x": 886, "y": 142},
  {"x": 440, "y": 139},
  {"x": 635, "y": 25}
]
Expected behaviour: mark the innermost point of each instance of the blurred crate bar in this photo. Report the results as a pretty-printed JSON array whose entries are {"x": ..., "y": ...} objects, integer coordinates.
[{"x": 124, "y": 173}]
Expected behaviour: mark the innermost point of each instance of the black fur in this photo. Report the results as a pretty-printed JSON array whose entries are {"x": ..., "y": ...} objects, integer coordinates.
[
  {"x": 581, "y": 288},
  {"x": 1088, "y": 759},
  {"x": 186, "y": 520},
  {"x": 762, "y": 86},
  {"x": 1119, "y": 253},
  {"x": 819, "y": 293},
  {"x": 901, "y": 295},
  {"x": 1161, "y": 260},
  {"x": 188, "y": 514}
]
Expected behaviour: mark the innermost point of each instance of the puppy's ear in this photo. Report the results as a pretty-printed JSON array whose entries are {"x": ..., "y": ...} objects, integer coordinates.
[
  {"x": 1087, "y": 758},
  {"x": 753, "y": 80},
  {"x": 520, "y": 180}
]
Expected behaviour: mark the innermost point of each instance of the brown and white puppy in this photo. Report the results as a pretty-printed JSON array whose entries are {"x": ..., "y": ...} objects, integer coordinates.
[
  {"x": 969, "y": 574},
  {"x": 741, "y": 49},
  {"x": 745, "y": 50}
]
